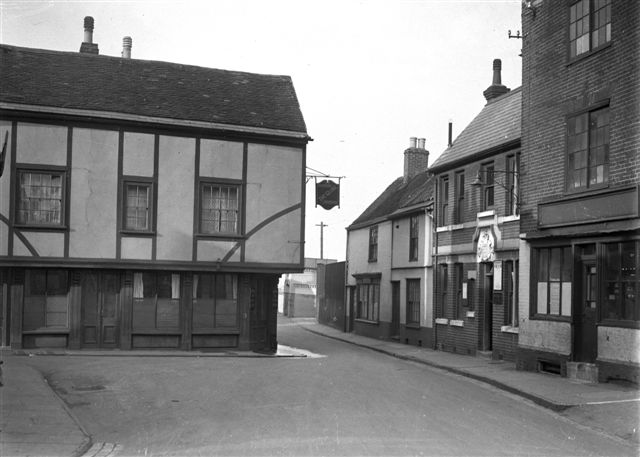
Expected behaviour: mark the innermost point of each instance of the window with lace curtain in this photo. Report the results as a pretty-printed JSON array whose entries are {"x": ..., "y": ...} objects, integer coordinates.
[
  {"x": 156, "y": 300},
  {"x": 219, "y": 208},
  {"x": 215, "y": 301},
  {"x": 40, "y": 197}
]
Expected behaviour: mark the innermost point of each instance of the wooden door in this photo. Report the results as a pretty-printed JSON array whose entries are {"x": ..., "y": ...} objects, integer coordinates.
[
  {"x": 99, "y": 309},
  {"x": 585, "y": 333},
  {"x": 486, "y": 342}
]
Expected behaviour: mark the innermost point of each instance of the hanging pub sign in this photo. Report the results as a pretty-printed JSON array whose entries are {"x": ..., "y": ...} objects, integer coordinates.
[{"x": 327, "y": 194}]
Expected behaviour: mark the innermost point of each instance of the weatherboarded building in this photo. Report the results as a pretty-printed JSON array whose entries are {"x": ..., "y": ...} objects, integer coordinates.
[{"x": 145, "y": 204}]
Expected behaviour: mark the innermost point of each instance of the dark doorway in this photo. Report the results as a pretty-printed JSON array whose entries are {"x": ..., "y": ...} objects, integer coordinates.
[
  {"x": 486, "y": 334},
  {"x": 352, "y": 307},
  {"x": 100, "y": 309},
  {"x": 395, "y": 310},
  {"x": 585, "y": 333}
]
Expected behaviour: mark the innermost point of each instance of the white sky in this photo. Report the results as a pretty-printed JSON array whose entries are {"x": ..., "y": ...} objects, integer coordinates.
[{"x": 368, "y": 74}]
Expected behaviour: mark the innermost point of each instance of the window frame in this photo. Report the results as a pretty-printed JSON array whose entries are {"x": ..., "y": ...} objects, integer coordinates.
[
  {"x": 373, "y": 244},
  {"x": 414, "y": 236},
  {"x": 443, "y": 285},
  {"x": 413, "y": 301},
  {"x": 141, "y": 181},
  {"x": 590, "y": 20},
  {"x": 511, "y": 299},
  {"x": 512, "y": 184},
  {"x": 443, "y": 204},
  {"x": 221, "y": 183},
  {"x": 621, "y": 283},
  {"x": 459, "y": 192},
  {"x": 46, "y": 305},
  {"x": 59, "y": 171},
  {"x": 566, "y": 266},
  {"x": 173, "y": 301},
  {"x": 569, "y": 172},
  {"x": 488, "y": 186},
  {"x": 368, "y": 288},
  {"x": 458, "y": 271},
  {"x": 196, "y": 282}
]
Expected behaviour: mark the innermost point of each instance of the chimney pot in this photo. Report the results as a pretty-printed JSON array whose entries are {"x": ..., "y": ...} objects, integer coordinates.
[
  {"x": 421, "y": 142},
  {"x": 126, "y": 47},
  {"x": 88, "y": 46},
  {"x": 412, "y": 142},
  {"x": 496, "y": 88}
]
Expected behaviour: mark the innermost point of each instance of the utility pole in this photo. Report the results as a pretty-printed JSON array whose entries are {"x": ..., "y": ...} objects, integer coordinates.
[{"x": 322, "y": 225}]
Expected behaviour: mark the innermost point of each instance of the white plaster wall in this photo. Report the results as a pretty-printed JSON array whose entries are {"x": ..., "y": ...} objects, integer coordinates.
[
  {"x": 5, "y": 189},
  {"x": 221, "y": 159},
  {"x": 94, "y": 191},
  {"x": 41, "y": 144},
  {"x": 46, "y": 244},
  {"x": 176, "y": 174},
  {"x": 137, "y": 158},
  {"x": 215, "y": 250},
  {"x": 619, "y": 344},
  {"x": 136, "y": 248},
  {"x": 546, "y": 336},
  {"x": 276, "y": 242}
]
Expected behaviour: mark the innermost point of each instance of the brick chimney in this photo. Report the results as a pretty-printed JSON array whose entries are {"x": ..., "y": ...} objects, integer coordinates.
[
  {"x": 416, "y": 158},
  {"x": 496, "y": 88},
  {"x": 88, "y": 46}
]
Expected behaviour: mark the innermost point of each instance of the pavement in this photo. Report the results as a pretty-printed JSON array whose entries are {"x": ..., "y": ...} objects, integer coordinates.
[{"x": 34, "y": 421}]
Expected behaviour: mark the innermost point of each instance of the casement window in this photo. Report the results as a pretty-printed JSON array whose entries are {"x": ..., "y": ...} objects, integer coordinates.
[
  {"x": 156, "y": 301},
  {"x": 443, "y": 283},
  {"x": 414, "y": 230},
  {"x": 510, "y": 299},
  {"x": 588, "y": 150},
  {"x": 458, "y": 272},
  {"x": 368, "y": 296},
  {"x": 137, "y": 206},
  {"x": 444, "y": 201},
  {"x": 373, "y": 243},
  {"x": 46, "y": 304},
  {"x": 488, "y": 187},
  {"x": 621, "y": 293},
  {"x": 589, "y": 25},
  {"x": 459, "y": 209},
  {"x": 413, "y": 301},
  {"x": 219, "y": 208},
  {"x": 40, "y": 197},
  {"x": 553, "y": 281},
  {"x": 215, "y": 301},
  {"x": 512, "y": 185}
]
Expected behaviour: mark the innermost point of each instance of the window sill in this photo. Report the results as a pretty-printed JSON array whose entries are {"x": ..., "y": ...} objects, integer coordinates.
[
  {"x": 366, "y": 321},
  {"x": 509, "y": 329},
  {"x": 511, "y": 218},
  {"x": 487, "y": 213},
  {"x": 413, "y": 326},
  {"x": 545, "y": 317},
  {"x": 442, "y": 321},
  {"x": 585, "y": 55},
  {"x": 470, "y": 314},
  {"x": 140, "y": 233},
  {"x": 43, "y": 227},
  {"x": 456, "y": 323},
  {"x": 595, "y": 189},
  {"x": 220, "y": 236},
  {"x": 43, "y": 330}
]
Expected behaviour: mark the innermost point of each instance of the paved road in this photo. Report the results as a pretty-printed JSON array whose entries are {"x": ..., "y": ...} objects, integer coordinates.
[{"x": 346, "y": 401}]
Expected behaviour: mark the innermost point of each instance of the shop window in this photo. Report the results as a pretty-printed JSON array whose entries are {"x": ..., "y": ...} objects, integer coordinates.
[
  {"x": 219, "y": 208},
  {"x": 137, "y": 206},
  {"x": 414, "y": 230},
  {"x": 413, "y": 301},
  {"x": 368, "y": 292},
  {"x": 156, "y": 301},
  {"x": 553, "y": 281},
  {"x": 510, "y": 270},
  {"x": 588, "y": 150},
  {"x": 215, "y": 301},
  {"x": 46, "y": 304},
  {"x": 621, "y": 281},
  {"x": 40, "y": 198},
  {"x": 373, "y": 243},
  {"x": 589, "y": 25}
]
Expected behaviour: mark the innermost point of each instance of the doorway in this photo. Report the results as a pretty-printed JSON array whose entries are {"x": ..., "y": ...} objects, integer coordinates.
[
  {"x": 100, "y": 309},
  {"x": 486, "y": 334},
  {"x": 585, "y": 344},
  {"x": 395, "y": 310}
]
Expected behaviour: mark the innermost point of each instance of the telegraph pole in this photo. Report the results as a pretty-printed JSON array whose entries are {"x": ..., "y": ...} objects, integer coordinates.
[{"x": 322, "y": 225}]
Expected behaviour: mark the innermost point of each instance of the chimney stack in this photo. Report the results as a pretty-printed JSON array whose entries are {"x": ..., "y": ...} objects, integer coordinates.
[
  {"x": 88, "y": 46},
  {"x": 450, "y": 143},
  {"x": 496, "y": 88},
  {"x": 416, "y": 158},
  {"x": 126, "y": 47}
]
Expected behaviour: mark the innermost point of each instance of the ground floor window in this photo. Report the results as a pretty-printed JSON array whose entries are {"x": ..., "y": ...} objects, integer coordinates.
[
  {"x": 413, "y": 301},
  {"x": 553, "y": 279},
  {"x": 46, "y": 303},
  {"x": 621, "y": 281},
  {"x": 215, "y": 301},
  {"x": 511, "y": 293},
  {"x": 156, "y": 300},
  {"x": 368, "y": 291}
]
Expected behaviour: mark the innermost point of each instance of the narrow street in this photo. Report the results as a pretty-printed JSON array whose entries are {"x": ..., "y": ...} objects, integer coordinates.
[{"x": 340, "y": 400}]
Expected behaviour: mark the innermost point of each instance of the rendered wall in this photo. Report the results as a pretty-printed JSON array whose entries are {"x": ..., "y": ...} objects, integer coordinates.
[{"x": 619, "y": 344}]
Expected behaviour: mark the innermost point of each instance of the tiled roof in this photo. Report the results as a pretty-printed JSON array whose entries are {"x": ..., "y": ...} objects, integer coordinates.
[
  {"x": 418, "y": 190},
  {"x": 497, "y": 124},
  {"x": 148, "y": 88}
]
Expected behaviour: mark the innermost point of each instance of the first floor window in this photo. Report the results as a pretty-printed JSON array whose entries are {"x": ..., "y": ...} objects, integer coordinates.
[
  {"x": 414, "y": 231},
  {"x": 215, "y": 301},
  {"x": 368, "y": 291},
  {"x": 488, "y": 188},
  {"x": 156, "y": 300},
  {"x": 219, "y": 208},
  {"x": 40, "y": 197},
  {"x": 373, "y": 243},
  {"x": 588, "y": 150},
  {"x": 137, "y": 206},
  {"x": 510, "y": 293},
  {"x": 621, "y": 281},
  {"x": 46, "y": 299},
  {"x": 589, "y": 25},
  {"x": 413, "y": 301},
  {"x": 553, "y": 281},
  {"x": 459, "y": 210},
  {"x": 444, "y": 200}
]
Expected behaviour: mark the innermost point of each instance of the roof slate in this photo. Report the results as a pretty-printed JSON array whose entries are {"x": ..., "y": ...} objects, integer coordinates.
[
  {"x": 498, "y": 123},
  {"x": 148, "y": 88},
  {"x": 418, "y": 190}
]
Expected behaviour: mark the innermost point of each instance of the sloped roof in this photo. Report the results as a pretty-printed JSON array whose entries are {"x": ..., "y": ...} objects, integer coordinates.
[
  {"x": 418, "y": 190},
  {"x": 497, "y": 124},
  {"x": 148, "y": 88}
]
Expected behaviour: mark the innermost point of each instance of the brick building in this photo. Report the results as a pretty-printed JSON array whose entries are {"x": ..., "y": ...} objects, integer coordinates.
[
  {"x": 145, "y": 204},
  {"x": 477, "y": 227},
  {"x": 580, "y": 248}
]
